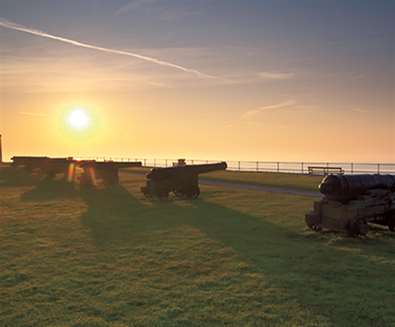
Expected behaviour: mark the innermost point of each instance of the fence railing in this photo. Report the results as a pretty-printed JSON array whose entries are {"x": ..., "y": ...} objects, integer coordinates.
[{"x": 266, "y": 166}]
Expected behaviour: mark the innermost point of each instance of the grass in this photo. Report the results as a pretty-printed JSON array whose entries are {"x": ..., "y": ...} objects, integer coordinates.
[{"x": 234, "y": 257}]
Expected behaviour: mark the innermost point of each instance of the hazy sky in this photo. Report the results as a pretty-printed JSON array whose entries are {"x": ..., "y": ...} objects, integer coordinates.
[{"x": 216, "y": 79}]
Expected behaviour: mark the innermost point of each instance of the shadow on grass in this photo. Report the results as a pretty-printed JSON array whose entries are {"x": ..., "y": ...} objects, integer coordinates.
[
  {"x": 48, "y": 189},
  {"x": 10, "y": 176},
  {"x": 114, "y": 215},
  {"x": 324, "y": 279}
]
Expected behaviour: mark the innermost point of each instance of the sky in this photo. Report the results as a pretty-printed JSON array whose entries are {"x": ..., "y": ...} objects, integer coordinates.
[{"x": 211, "y": 79}]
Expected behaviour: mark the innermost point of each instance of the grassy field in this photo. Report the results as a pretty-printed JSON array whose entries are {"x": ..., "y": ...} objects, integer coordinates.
[{"x": 237, "y": 258}]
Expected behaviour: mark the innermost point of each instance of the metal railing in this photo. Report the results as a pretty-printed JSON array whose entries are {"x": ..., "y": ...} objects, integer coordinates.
[{"x": 295, "y": 167}]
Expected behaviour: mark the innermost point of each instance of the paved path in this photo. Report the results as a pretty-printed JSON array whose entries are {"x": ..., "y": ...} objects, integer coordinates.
[{"x": 262, "y": 188}]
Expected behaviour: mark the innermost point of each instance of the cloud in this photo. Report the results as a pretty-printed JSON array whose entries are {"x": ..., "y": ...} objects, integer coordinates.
[
  {"x": 132, "y": 5},
  {"x": 360, "y": 110},
  {"x": 277, "y": 106},
  {"x": 255, "y": 78},
  {"x": 33, "y": 114},
  {"x": 275, "y": 76},
  {"x": 21, "y": 28}
]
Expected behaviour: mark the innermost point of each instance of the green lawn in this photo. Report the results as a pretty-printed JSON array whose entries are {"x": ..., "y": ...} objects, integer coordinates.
[{"x": 233, "y": 257}]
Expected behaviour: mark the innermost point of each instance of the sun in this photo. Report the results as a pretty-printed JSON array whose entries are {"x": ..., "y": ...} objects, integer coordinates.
[{"x": 78, "y": 119}]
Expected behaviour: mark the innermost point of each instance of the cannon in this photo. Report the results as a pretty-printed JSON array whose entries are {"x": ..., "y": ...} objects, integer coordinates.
[
  {"x": 182, "y": 180},
  {"x": 107, "y": 171},
  {"x": 29, "y": 163},
  {"x": 48, "y": 166},
  {"x": 350, "y": 202}
]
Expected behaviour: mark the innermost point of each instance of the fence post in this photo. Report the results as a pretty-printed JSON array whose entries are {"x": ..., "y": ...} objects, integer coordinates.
[
  {"x": 239, "y": 165},
  {"x": 166, "y": 162},
  {"x": 145, "y": 162},
  {"x": 302, "y": 165},
  {"x": 278, "y": 166},
  {"x": 257, "y": 166},
  {"x": 378, "y": 168},
  {"x": 352, "y": 168},
  {"x": 154, "y": 162}
]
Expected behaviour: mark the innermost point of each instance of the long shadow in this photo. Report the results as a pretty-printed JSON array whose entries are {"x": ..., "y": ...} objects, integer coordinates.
[
  {"x": 289, "y": 260},
  {"x": 10, "y": 176},
  {"x": 48, "y": 189},
  {"x": 294, "y": 262},
  {"x": 114, "y": 216}
]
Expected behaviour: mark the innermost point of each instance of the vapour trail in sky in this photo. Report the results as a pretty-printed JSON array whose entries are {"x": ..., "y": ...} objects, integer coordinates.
[{"x": 21, "y": 28}]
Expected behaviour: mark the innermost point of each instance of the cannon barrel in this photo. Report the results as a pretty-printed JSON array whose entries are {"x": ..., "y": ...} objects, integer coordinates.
[
  {"x": 117, "y": 164},
  {"x": 161, "y": 173},
  {"x": 41, "y": 162},
  {"x": 27, "y": 160},
  {"x": 347, "y": 187}
]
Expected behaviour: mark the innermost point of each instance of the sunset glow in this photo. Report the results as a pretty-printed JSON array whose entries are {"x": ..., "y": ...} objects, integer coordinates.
[
  {"x": 297, "y": 88},
  {"x": 78, "y": 119}
]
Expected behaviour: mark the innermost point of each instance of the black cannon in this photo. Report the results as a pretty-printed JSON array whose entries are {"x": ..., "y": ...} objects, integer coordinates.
[
  {"x": 352, "y": 201},
  {"x": 45, "y": 165},
  {"x": 27, "y": 162},
  {"x": 107, "y": 171},
  {"x": 183, "y": 181},
  {"x": 89, "y": 170}
]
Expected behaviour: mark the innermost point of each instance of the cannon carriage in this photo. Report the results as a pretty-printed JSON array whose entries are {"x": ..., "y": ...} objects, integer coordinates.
[
  {"x": 50, "y": 167},
  {"x": 181, "y": 180},
  {"x": 351, "y": 202},
  {"x": 106, "y": 171},
  {"x": 89, "y": 170}
]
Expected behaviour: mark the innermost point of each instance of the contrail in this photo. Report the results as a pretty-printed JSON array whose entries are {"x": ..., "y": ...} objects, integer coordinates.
[
  {"x": 33, "y": 114},
  {"x": 21, "y": 28}
]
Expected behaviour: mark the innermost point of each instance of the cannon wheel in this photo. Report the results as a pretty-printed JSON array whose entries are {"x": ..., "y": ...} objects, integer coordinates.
[
  {"x": 313, "y": 221},
  {"x": 187, "y": 193},
  {"x": 358, "y": 227},
  {"x": 145, "y": 191},
  {"x": 191, "y": 193},
  {"x": 155, "y": 190},
  {"x": 391, "y": 221},
  {"x": 160, "y": 194},
  {"x": 194, "y": 192}
]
